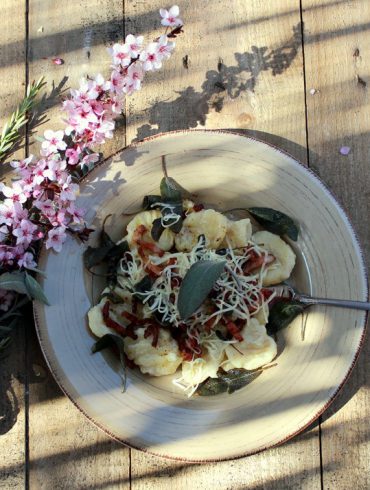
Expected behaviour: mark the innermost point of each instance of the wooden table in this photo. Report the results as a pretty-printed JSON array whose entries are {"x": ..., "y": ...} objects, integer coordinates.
[{"x": 292, "y": 72}]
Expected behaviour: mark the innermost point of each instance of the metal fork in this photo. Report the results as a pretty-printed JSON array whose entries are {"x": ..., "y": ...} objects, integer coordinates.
[{"x": 286, "y": 291}]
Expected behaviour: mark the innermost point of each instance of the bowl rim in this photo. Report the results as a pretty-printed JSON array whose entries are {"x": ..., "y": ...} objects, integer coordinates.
[{"x": 350, "y": 226}]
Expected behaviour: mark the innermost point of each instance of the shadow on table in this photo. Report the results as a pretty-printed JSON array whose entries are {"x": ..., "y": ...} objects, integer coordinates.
[{"x": 190, "y": 108}]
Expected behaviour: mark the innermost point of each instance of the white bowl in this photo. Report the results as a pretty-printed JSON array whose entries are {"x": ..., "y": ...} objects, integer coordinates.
[{"x": 225, "y": 170}]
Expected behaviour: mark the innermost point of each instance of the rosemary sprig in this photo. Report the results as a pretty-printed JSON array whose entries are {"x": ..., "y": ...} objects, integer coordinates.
[{"x": 10, "y": 133}]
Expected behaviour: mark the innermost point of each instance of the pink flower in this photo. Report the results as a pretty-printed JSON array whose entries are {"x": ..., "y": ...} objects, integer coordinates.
[
  {"x": 6, "y": 214},
  {"x": 134, "y": 45},
  {"x": 14, "y": 193},
  {"x": 53, "y": 142},
  {"x": 117, "y": 81},
  {"x": 56, "y": 238},
  {"x": 165, "y": 47},
  {"x": 57, "y": 61},
  {"x": 19, "y": 213},
  {"x": 22, "y": 164},
  {"x": 151, "y": 58},
  {"x": 170, "y": 17},
  {"x": 76, "y": 214},
  {"x": 97, "y": 86},
  {"x": 60, "y": 219},
  {"x": 90, "y": 158},
  {"x": 27, "y": 261},
  {"x": 73, "y": 155},
  {"x": 135, "y": 73},
  {"x": 121, "y": 54},
  {"x": 47, "y": 207},
  {"x": 69, "y": 190},
  {"x": 25, "y": 232}
]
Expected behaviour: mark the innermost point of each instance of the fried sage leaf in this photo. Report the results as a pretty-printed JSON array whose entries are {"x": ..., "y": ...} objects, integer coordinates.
[
  {"x": 170, "y": 190},
  {"x": 157, "y": 229},
  {"x": 227, "y": 382},
  {"x": 282, "y": 314},
  {"x": 144, "y": 285},
  {"x": 110, "y": 340},
  {"x": 275, "y": 222},
  {"x": 197, "y": 284},
  {"x": 150, "y": 200},
  {"x": 95, "y": 255}
]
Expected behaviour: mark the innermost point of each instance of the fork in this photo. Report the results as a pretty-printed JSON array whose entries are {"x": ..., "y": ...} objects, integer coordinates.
[{"x": 286, "y": 291}]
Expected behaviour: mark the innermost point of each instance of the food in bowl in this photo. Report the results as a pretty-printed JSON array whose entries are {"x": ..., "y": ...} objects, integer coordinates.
[{"x": 189, "y": 291}]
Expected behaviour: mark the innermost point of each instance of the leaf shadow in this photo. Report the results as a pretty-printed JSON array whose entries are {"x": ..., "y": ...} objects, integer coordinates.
[{"x": 219, "y": 84}]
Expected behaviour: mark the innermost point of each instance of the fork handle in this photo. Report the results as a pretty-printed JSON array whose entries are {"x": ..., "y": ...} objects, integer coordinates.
[{"x": 344, "y": 303}]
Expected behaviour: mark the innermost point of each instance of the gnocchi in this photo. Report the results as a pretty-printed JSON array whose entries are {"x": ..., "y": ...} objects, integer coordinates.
[
  {"x": 228, "y": 329},
  {"x": 282, "y": 267}
]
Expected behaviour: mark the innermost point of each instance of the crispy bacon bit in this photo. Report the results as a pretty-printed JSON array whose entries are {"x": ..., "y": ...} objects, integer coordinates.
[
  {"x": 198, "y": 207},
  {"x": 152, "y": 269},
  {"x": 111, "y": 323},
  {"x": 152, "y": 329},
  {"x": 256, "y": 261},
  {"x": 234, "y": 330},
  {"x": 130, "y": 331},
  {"x": 208, "y": 326},
  {"x": 138, "y": 233},
  {"x": 266, "y": 293},
  {"x": 152, "y": 247}
]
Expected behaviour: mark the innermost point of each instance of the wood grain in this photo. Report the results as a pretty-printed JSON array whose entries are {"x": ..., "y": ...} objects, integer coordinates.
[
  {"x": 337, "y": 56},
  {"x": 12, "y": 367},
  {"x": 245, "y": 71},
  {"x": 65, "y": 450}
]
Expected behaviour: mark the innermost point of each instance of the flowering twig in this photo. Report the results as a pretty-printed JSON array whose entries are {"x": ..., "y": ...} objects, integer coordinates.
[
  {"x": 10, "y": 133},
  {"x": 41, "y": 205}
]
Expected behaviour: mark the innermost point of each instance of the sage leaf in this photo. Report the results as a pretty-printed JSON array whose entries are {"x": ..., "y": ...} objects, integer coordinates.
[
  {"x": 144, "y": 285},
  {"x": 13, "y": 281},
  {"x": 34, "y": 289},
  {"x": 197, "y": 284},
  {"x": 150, "y": 200},
  {"x": 275, "y": 222},
  {"x": 157, "y": 229},
  {"x": 93, "y": 256},
  {"x": 110, "y": 340},
  {"x": 282, "y": 314},
  {"x": 170, "y": 190},
  {"x": 227, "y": 382}
]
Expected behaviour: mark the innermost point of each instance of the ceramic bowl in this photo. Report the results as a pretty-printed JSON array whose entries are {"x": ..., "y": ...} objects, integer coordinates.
[{"x": 225, "y": 170}]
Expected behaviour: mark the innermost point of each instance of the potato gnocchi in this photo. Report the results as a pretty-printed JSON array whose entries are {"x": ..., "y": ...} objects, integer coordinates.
[{"x": 228, "y": 330}]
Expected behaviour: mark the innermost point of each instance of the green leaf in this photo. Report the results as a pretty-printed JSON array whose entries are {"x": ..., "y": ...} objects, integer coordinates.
[
  {"x": 94, "y": 255},
  {"x": 282, "y": 314},
  {"x": 227, "y": 382},
  {"x": 157, "y": 229},
  {"x": 150, "y": 200},
  {"x": 35, "y": 290},
  {"x": 170, "y": 190},
  {"x": 197, "y": 284},
  {"x": 111, "y": 340},
  {"x": 144, "y": 285},
  {"x": 13, "y": 281},
  {"x": 275, "y": 222}
]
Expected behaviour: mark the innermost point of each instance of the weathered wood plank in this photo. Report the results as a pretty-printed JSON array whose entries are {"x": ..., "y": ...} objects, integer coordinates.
[
  {"x": 337, "y": 65},
  {"x": 245, "y": 71},
  {"x": 12, "y": 367},
  {"x": 65, "y": 450}
]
